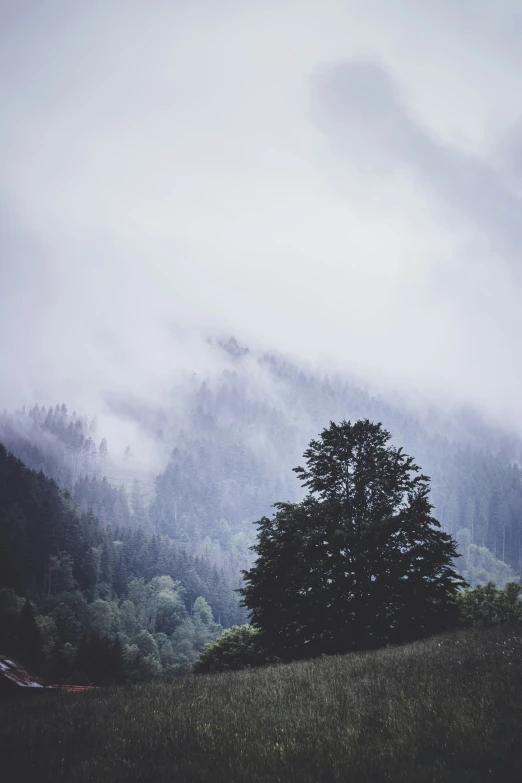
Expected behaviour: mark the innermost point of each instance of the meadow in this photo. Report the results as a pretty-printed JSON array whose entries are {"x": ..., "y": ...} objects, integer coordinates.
[{"x": 445, "y": 709}]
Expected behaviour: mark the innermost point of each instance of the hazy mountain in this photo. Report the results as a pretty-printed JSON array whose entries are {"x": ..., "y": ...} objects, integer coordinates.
[{"x": 224, "y": 447}]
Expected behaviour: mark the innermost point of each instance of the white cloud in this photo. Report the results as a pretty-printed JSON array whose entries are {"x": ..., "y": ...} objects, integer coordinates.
[{"x": 164, "y": 165}]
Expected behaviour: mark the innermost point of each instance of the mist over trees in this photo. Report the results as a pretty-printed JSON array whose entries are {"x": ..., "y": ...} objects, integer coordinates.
[
  {"x": 70, "y": 586},
  {"x": 228, "y": 443},
  {"x": 244, "y": 431},
  {"x": 50, "y": 439},
  {"x": 232, "y": 447}
]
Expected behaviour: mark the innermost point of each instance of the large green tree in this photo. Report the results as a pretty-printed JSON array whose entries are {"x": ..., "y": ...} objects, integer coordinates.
[{"x": 360, "y": 562}]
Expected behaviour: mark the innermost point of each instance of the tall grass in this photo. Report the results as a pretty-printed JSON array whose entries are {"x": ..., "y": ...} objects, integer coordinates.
[{"x": 442, "y": 710}]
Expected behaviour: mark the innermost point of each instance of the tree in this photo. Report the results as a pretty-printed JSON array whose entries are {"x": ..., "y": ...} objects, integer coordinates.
[
  {"x": 478, "y": 565},
  {"x": 360, "y": 562},
  {"x": 206, "y": 630},
  {"x": 166, "y": 653},
  {"x": 486, "y": 605},
  {"x": 61, "y": 578},
  {"x": 128, "y": 619},
  {"x": 138, "y": 505},
  {"x": 101, "y": 618},
  {"x": 146, "y": 644},
  {"x": 101, "y": 660},
  {"x": 103, "y": 451},
  {"x": 11, "y": 606},
  {"x": 238, "y": 647}
]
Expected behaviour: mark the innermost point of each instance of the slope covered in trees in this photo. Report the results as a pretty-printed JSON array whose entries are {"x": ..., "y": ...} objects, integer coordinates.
[
  {"x": 228, "y": 442},
  {"x": 242, "y": 432},
  {"x": 81, "y": 598},
  {"x": 60, "y": 445}
]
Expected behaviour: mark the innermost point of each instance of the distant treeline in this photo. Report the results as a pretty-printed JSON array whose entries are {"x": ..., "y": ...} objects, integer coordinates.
[
  {"x": 235, "y": 445},
  {"x": 234, "y": 455}
]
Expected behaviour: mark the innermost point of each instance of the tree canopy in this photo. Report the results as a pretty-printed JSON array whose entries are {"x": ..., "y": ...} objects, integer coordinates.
[
  {"x": 236, "y": 648},
  {"x": 85, "y": 602},
  {"x": 360, "y": 562}
]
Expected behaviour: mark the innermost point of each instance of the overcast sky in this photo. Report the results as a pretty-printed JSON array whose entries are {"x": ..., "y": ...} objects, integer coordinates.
[{"x": 329, "y": 178}]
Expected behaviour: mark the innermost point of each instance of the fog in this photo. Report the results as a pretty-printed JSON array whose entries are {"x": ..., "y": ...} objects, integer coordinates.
[{"x": 340, "y": 181}]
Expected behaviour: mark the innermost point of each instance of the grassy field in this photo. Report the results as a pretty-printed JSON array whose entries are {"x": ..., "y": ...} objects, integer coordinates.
[{"x": 447, "y": 709}]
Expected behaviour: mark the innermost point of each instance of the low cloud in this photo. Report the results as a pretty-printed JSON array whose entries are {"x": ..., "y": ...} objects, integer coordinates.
[{"x": 339, "y": 180}]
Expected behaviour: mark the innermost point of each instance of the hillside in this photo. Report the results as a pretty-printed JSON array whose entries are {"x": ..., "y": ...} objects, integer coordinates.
[
  {"x": 225, "y": 443},
  {"x": 94, "y": 602},
  {"x": 445, "y": 710},
  {"x": 248, "y": 428}
]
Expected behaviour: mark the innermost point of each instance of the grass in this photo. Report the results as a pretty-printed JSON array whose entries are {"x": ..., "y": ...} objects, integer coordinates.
[{"x": 442, "y": 710}]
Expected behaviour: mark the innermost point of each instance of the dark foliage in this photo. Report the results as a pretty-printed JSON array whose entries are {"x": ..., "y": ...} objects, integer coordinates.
[
  {"x": 100, "y": 660},
  {"x": 237, "y": 648},
  {"x": 29, "y": 642},
  {"x": 66, "y": 580},
  {"x": 486, "y": 605},
  {"x": 360, "y": 562}
]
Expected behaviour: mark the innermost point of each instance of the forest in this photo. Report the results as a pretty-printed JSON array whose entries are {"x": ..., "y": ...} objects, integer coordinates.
[
  {"x": 94, "y": 602},
  {"x": 111, "y": 573}
]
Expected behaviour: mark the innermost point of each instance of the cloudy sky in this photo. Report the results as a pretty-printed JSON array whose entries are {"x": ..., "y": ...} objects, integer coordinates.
[{"x": 332, "y": 178}]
